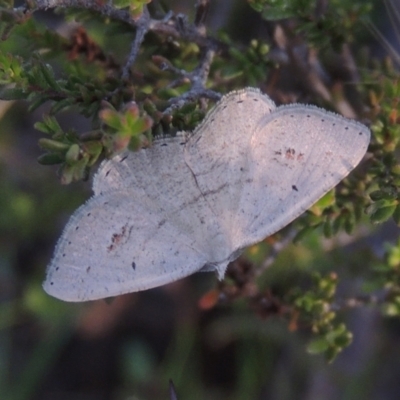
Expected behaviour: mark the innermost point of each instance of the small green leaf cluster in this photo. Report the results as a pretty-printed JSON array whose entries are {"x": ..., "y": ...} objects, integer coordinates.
[
  {"x": 188, "y": 117},
  {"x": 125, "y": 128},
  {"x": 247, "y": 66},
  {"x": 135, "y": 6},
  {"x": 386, "y": 275},
  {"x": 47, "y": 76},
  {"x": 282, "y": 9},
  {"x": 36, "y": 82},
  {"x": 314, "y": 307},
  {"x": 11, "y": 72},
  {"x": 340, "y": 209},
  {"x": 318, "y": 25},
  {"x": 78, "y": 153},
  {"x": 384, "y": 171},
  {"x": 9, "y": 19}
]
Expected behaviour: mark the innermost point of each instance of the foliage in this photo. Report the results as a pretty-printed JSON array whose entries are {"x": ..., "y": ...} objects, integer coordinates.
[
  {"x": 136, "y": 71},
  {"x": 317, "y": 19},
  {"x": 316, "y": 305}
]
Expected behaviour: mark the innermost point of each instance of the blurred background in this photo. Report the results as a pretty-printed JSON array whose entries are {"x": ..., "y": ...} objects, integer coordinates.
[{"x": 130, "y": 347}]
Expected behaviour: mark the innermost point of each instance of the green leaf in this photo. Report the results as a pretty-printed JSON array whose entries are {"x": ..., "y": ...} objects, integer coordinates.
[
  {"x": 111, "y": 118},
  {"x": 344, "y": 339},
  {"x": 50, "y": 159},
  {"x": 61, "y": 104},
  {"x": 74, "y": 172},
  {"x": 338, "y": 223},
  {"x": 141, "y": 125},
  {"x": 327, "y": 200},
  {"x": 36, "y": 101},
  {"x": 383, "y": 214},
  {"x": 48, "y": 75},
  {"x": 349, "y": 224},
  {"x": 53, "y": 145},
  {"x": 327, "y": 228},
  {"x": 72, "y": 154},
  {"x": 396, "y": 215},
  {"x": 49, "y": 125},
  {"x": 302, "y": 233},
  {"x": 387, "y": 193},
  {"x": 395, "y": 170},
  {"x": 318, "y": 346},
  {"x": 10, "y": 94},
  {"x": 93, "y": 149}
]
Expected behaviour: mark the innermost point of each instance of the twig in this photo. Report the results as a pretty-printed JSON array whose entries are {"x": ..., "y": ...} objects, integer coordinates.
[
  {"x": 276, "y": 248},
  {"x": 142, "y": 27},
  {"x": 172, "y": 391},
  {"x": 172, "y": 25},
  {"x": 202, "y": 7},
  {"x": 104, "y": 9},
  {"x": 378, "y": 298},
  {"x": 197, "y": 78},
  {"x": 176, "y": 26}
]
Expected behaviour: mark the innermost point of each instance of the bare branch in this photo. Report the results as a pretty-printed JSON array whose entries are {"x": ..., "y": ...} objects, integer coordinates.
[
  {"x": 142, "y": 27},
  {"x": 104, "y": 9},
  {"x": 172, "y": 25}
]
